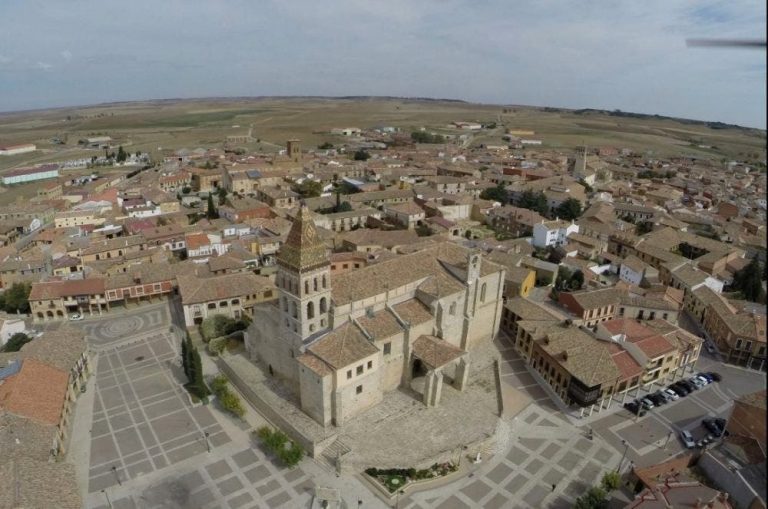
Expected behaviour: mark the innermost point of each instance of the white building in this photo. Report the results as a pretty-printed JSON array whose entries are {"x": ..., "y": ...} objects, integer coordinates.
[
  {"x": 12, "y": 150},
  {"x": 9, "y": 327},
  {"x": 553, "y": 233},
  {"x": 22, "y": 175}
]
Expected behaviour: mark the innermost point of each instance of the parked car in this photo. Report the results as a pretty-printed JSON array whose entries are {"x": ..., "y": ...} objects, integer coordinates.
[
  {"x": 646, "y": 403},
  {"x": 632, "y": 406},
  {"x": 715, "y": 376},
  {"x": 688, "y": 385},
  {"x": 671, "y": 394},
  {"x": 699, "y": 383},
  {"x": 709, "y": 378},
  {"x": 657, "y": 399},
  {"x": 702, "y": 379},
  {"x": 687, "y": 439},
  {"x": 75, "y": 317},
  {"x": 715, "y": 426},
  {"x": 710, "y": 349},
  {"x": 680, "y": 389}
]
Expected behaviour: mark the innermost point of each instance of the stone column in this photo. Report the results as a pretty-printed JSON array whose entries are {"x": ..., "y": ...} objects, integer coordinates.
[
  {"x": 462, "y": 374},
  {"x": 429, "y": 383},
  {"x": 437, "y": 390}
]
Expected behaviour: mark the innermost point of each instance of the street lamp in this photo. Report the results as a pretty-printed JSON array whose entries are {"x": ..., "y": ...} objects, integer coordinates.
[
  {"x": 207, "y": 443},
  {"x": 109, "y": 502},
  {"x": 626, "y": 446},
  {"x": 114, "y": 471}
]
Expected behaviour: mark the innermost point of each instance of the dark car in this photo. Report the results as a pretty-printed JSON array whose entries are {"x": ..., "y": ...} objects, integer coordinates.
[
  {"x": 715, "y": 426},
  {"x": 632, "y": 406},
  {"x": 715, "y": 376},
  {"x": 656, "y": 399},
  {"x": 688, "y": 385},
  {"x": 680, "y": 389}
]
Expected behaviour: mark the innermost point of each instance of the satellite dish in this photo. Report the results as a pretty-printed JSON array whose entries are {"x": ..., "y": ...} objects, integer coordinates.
[{"x": 725, "y": 43}]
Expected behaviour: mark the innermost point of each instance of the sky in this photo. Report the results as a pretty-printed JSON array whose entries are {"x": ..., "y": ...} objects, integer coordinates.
[{"x": 606, "y": 54}]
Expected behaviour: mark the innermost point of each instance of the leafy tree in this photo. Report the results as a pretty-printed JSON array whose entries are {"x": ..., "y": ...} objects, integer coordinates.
[
  {"x": 211, "y": 212},
  {"x": 611, "y": 481},
  {"x": 577, "y": 280},
  {"x": 749, "y": 281},
  {"x": 555, "y": 254},
  {"x": 594, "y": 498},
  {"x": 222, "y": 195},
  {"x": 534, "y": 201},
  {"x": 361, "y": 155},
  {"x": 569, "y": 210},
  {"x": 16, "y": 298},
  {"x": 186, "y": 190},
  {"x": 563, "y": 278},
  {"x": 643, "y": 227},
  {"x": 16, "y": 341},
  {"x": 423, "y": 231},
  {"x": 122, "y": 155},
  {"x": 325, "y": 146},
  {"x": 425, "y": 137},
  {"x": 497, "y": 193},
  {"x": 309, "y": 188}
]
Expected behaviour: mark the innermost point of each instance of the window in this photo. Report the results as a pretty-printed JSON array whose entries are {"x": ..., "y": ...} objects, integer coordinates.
[
  {"x": 349, "y": 374},
  {"x": 640, "y": 315},
  {"x": 306, "y": 287},
  {"x": 370, "y": 364},
  {"x": 360, "y": 369},
  {"x": 761, "y": 351},
  {"x": 621, "y": 311},
  {"x": 223, "y": 304},
  {"x": 323, "y": 305},
  {"x": 268, "y": 294},
  {"x": 665, "y": 316},
  {"x": 235, "y": 302},
  {"x": 345, "y": 266},
  {"x": 325, "y": 282},
  {"x": 294, "y": 310},
  {"x": 315, "y": 284},
  {"x": 359, "y": 389},
  {"x": 211, "y": 305},
  {"x": 311, "y": 327},
  {"x": 738, "y": 344},
  {"x": 452, "y": 309},
  {"x": 310, "y": 309},
  {"x": 387, "y": 348},
  {"x": 653, "y": 315},
  {"x": 482, "y": 292}
]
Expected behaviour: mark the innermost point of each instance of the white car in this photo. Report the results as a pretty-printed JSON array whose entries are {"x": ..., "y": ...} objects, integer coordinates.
[
  {"x": 75, "y": 317},
  {"x": 671, "y": 394},
  {"x": 687, "y": 439},
  {"x": 702, "y": 379}
]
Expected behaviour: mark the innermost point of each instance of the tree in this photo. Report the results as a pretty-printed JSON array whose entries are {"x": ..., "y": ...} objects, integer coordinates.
[
  {"x": 198, "y": 386},
  {"x": 425, "y": 137},
  {"x": 749, "y": 281},
  {"x": 309, "y": 188},
  {"x": 611, "y": 481},
  {"x": 16, "y": 298},
  {"x": 186, "y": 190},
  {"x": 222, "y": 195},
  {"x": 594, "y": 498},
  {"x": 577, "y": 280},
  {"x": 361, "y": 155},
  {"x": 569, "y": 210},
  {"x": 534, "y": 201},
  {"x": 16, "y": 341},
  {"x": 344, "y": 206},
  {"x": 325, "y": 146},
  {"x": 497, "y": 193},
  {"x": 185, "y": 357},
  {"x": 122, "y": 155},
  {"x": 211, "y": 212},
  {"x": 643, "y": 227}
]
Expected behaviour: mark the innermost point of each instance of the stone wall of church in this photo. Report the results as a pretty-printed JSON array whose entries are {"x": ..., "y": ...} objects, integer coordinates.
[
  {"x": 355, "y": 392},
  {"x": 392, "y": 363},
  {"x": 315, "y": 392},
  {"x": 266, "y": 342},
  {"x": 487, "y": 319}
]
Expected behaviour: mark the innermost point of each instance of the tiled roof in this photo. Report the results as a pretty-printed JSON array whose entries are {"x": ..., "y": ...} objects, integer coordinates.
[
  {"x": 343, "y": 346},
  {"x": 413, "y": 312},
  {"x": 55, "y": 289},
  {"x": 435, "y": 352},
  {"x": 303, "y": 249},
  {"x": 382, "y": 324},
  {"x": 529, "y": 310},
  {"x": 195, "y": 290},
  {"x": 315, "y": 364},
  {"x": 25, "y": 482},
  {"x": 581, "y": 354},
  {"x": 36, "y": 392},
  {"x": 61, "y": 348}
]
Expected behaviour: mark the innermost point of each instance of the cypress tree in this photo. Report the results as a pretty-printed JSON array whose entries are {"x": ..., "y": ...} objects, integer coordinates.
[
  {"x": 184, "y": 362},
  {"x": 199, "y": 382}
]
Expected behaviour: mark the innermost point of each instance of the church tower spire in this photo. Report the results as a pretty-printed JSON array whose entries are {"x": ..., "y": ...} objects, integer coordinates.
[{"x": 304, "y": 280}]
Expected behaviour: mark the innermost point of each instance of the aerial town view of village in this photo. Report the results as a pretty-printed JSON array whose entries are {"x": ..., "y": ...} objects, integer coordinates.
[
  {"x": 468, "y": 312},
  {"x": 371, "y": 255}
]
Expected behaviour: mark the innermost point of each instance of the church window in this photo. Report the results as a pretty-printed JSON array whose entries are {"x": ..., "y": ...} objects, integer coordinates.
[
  {"x": 306, "y": 287},
  {"x": 387, "y": 348},
  {"x": 482, "y": 292},
  {"x": 370, "y": 364},
  {"x": 360, "y": 369},
  {"x": 359, "y": 389},
  {"x": 311, "y": 327},
  {"x": 452, "y": 309},
  {"x": 314, "y": 284},
  {"x": 349, "y": 374},
  {"x": 285, "y": 304},
  {"x": 294, "y": 310},
  {"x": 323, "y": 305},
  {"x": 325, "y": 281},
  {"x": 310, "y": 309}
]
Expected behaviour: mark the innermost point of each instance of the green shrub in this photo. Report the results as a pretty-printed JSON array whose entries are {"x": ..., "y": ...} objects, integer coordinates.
[
  {"x": 611, "y": 481},
  {"x": 289, "y": 452},
  {"x": 219, "y": 384},
  {"x": 292, "y": 455},
  {"x": 231, "y": 402},
  {"x": 217, "y": 345}
]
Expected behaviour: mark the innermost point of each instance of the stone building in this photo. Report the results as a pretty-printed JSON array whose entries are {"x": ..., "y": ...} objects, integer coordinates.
[{"x": 340, "y": 344}]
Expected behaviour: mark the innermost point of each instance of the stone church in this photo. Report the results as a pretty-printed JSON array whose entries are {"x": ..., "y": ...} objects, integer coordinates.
[{"x": 340, "y": 344}]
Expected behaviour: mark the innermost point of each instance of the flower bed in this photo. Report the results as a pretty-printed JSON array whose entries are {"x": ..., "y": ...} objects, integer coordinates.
[{"x": 394, "y": 479}]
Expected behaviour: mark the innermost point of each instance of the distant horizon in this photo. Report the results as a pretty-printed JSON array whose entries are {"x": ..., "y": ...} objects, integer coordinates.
[
  {"x": 364, "y": 97},
  {"x": 600, "y": 54}
]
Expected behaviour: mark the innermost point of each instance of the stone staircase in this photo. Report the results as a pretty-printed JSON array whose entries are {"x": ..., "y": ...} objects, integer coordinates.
[{"x": 331, "y": 454}]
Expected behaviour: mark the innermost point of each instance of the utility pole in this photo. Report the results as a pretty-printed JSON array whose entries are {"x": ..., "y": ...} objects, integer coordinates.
[
  {"x": 626, "y": 446},
  {"x": 109, "y": 502}
]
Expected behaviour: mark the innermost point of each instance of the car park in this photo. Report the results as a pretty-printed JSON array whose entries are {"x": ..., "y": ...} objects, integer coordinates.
[
  {"x": 671, "y": 394},
  {"x": 687, "y": 439},
  {"x": 680, "y": 389}
]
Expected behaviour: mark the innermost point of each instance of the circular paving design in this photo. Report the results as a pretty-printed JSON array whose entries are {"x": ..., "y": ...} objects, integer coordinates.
[{"x": 120, "y": 327}]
